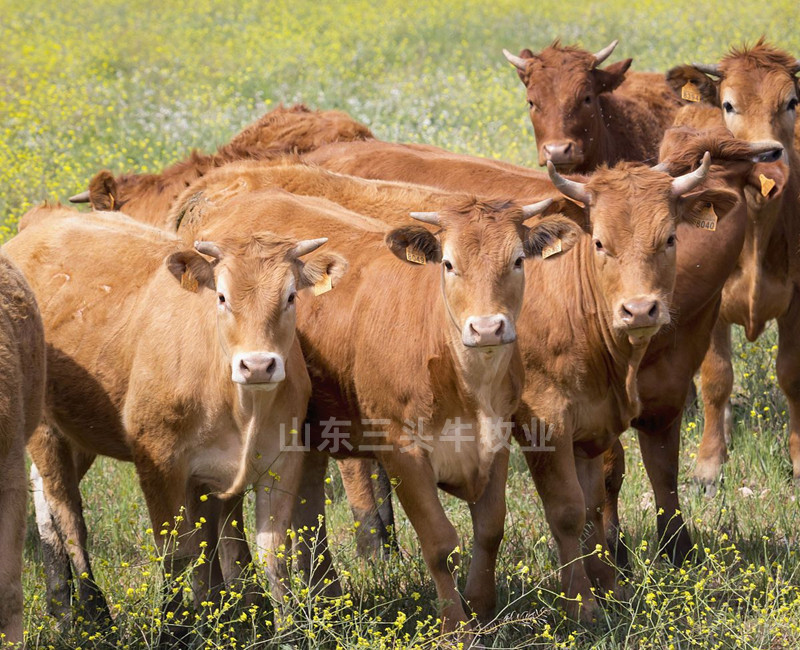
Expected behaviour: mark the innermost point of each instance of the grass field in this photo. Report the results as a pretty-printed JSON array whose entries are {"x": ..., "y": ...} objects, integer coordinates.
[{"x": 133, "y": 86}]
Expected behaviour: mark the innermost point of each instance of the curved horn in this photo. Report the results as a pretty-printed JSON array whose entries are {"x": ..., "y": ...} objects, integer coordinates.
[
  {"x": 603, "y": 54},
  {"x": 661, "y": 167},
  {"x": 571, "y": 189},
  {"x": 307, "y": 246},
  {"x": 83, "y": 197},
  {"x": 796, "y": 66},
  {"x": 708, "y": 68},
  {"x": 426, "y": 217},
  {"x": 517, "y": 61},
  {"x": 208, "y": 248},
  {"x": 686, "y": 183},
  {"x": 533, "y": 209}
]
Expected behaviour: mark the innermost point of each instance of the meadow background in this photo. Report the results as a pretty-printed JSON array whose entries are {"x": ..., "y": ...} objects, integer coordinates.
[{"x": 135, "y": 85}]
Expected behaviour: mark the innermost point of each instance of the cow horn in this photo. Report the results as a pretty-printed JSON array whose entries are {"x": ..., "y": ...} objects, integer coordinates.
[
  {"x": 307, "y": 246},
  {"x": 603, "y": 54},
  {"x": 708, "y": 68},
  {"x": 426, "y": 217},
  {"x": 686, "y": 183},
  {"x": 208, "y": 248},
  {"x": 533, "y": 209},
  {"x": 796, "y": 66},
  {"x": 571, "y": 189},
  {"x": 83, "y": 197},
  {"x": 517, "y": 61},
  {"x": 661, "y": 167}
]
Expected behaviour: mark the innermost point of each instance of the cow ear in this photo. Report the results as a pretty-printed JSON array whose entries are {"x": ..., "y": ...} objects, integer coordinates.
[
  {"x": 611, "y": 76},
  {"x": 525, "y": 54},
  {"x": 679, "y": 76},
  {"x": 321, "y": 267},
  {"x": 550, "y": 232},
  {"x": 191, "y": 269},
  {"x": 414, "y": 244},
  {"x": 103, "y": 191},
  {"x": 694, "y": 207}
]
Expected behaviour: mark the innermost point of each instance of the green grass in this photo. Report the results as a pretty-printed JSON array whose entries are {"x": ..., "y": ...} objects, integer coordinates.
[{"x": 133, "y": 86}]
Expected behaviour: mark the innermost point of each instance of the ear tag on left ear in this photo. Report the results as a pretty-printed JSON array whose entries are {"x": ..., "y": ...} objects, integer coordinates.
[
  {"x": 552, "y": 249},
  {"x": 766, "y": 184},
  {"x": 323, "y": 286},
  {"x": 189, "y": 282},
  {"x": 690, "y": 92},
  {"x": 414, "y": 256},
  {"x": 707, "y": 219}
]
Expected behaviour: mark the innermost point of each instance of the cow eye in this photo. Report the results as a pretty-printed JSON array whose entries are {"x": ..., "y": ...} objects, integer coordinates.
[
  {"x": 792, "y": 104},
  {"x": 670, "y": 241},
  {"x": 292, "y": 296},
  {"x": 518, "y": 262},
  {"x": 448, "y": 265},
  {"x": 587, "y": 99},
  {"x": 531, "y": 105},
  {"x": 728, "y": 107},
  {"x": 220, "y": 299},
  {"x": 598, "y": 245}
]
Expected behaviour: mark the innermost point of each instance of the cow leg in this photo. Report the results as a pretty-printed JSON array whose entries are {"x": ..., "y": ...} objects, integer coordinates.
[
  {"x": 13, "y": 502},
  {"x": 207, "y": 579},
  {"x": 660, "y": 451},
  {"x": 788, "y": 371},
  {"x": 614, "y": 470},
  {"x": 56, "y": 473},
  {"x": 383, "y": 494},
  {"x": 234, "y": 553},
  {"x": 716, "y": 375},
  {"x": 488, "y": 521},
  {"x": 372, "y": 535}
]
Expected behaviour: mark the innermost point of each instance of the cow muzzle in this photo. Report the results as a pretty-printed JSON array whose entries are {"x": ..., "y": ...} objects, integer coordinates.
[
  {"x": 263, "y": 370},
  {"x": 484, "y": 331},
  {"x": 641, "y": 318},
  {"x": 565, "y": 155}
]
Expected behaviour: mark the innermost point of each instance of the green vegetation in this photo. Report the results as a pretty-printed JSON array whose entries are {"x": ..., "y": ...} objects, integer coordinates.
[{"x": 133, "y": 86}]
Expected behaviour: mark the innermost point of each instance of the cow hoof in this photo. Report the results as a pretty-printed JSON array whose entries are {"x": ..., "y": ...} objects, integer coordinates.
[{"x": 709, "y": 486}]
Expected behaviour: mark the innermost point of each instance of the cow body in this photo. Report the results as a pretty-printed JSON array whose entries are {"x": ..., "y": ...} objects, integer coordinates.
[{"x": 22, "y": 381}]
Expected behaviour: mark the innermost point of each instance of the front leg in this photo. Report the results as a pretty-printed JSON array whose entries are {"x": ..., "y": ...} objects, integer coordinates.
[
  {"x": 614, "y": 470},
  {"x": 788, "y": 371}
]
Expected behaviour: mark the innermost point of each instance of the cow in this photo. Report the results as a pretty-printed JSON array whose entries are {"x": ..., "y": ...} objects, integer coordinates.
[
  {"x": 416, "y": 348},
  {"x": 756, "y": 90},
  {"x": 197, "y": 409},
  {"x": 584, "y": 116},
  {"x": 22, "y": 383},
  {"x": 296, "y": 129}
]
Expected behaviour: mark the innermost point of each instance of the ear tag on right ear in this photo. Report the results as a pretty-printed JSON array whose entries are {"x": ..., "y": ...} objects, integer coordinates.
[
  {"x": 413, "y": 256},
  {"x": 707, "y": 219},
  {"x": 766, "y": 184},
  {"x": 189, "y": 282},
  {"x": 690, "y": 92},
  {"x": 323, "y": 286},
  {"x": 552, "y": 249}
]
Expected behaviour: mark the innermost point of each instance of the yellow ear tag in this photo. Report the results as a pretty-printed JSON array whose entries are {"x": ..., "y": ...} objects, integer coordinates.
[
  {"x": 706, "y": 220},
  {"x": 323, "y": 286},
  {"x": 690, "y": 93},
  {"x": 189, "y": 282},
  {"x": 552, "y": 249},
  {"x": 766, "y": 184},
  {"x": 413, "y": 256}
]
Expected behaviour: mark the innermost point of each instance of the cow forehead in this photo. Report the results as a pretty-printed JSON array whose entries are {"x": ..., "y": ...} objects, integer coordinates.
[
  {"x": 488, "y": 233},
  {"x": 256, "y": 280},
  {"x": 762, "y": 67},
  {"x": 568, "y": 71}
]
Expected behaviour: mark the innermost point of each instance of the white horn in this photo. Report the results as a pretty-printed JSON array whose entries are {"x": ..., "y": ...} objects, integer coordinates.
[
  {"x": 603, "y": 54},
  {"x": 208, "y": 248},
  {"x": 571, "y": 189},
  {"x": 83, "y": 197},
  {"x": 533, "y": 209},
  {"x": 708, "y": 68},
  {"x": 686, "y": 183},
  {"x": 516, "y": 61},
  {"x": 307, "y": 246},
  {"x": 426, "y": 217}
]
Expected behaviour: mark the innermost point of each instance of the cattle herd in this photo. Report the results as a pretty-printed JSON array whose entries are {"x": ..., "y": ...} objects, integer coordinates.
[{"x": 309, "y": 291}]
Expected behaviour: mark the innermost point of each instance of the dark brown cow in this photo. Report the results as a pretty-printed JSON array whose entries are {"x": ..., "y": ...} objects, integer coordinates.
[
  {"x": 22, "y": 383},
  {"x": 757, "y": 90},
  {"x": 584, "y": 116},
  {"x": 411, "y": 353},
  {"x": 297, "y": 129},
  {"x": 197, "y": 409}
]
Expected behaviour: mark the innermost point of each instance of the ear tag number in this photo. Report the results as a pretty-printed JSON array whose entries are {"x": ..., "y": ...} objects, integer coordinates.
[
  {"x": 323, "y": 286},
  {"x": 766, "y": 185},
  {"x": 706, "y": 220},
  {"x": 690, "y": 93},
  {"x": 413, "y": 256},
  {"x": 552, "y": 249}
]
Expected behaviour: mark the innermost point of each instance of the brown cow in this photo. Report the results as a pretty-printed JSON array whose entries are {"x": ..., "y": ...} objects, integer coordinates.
[
  {"x": 297, "y": 129},
  {"x": 411, "y": 353},
  {"x": 757, "y": 89},
  {"x": 584, "y": 116},
  {"x": 22, "y": 382},
  {"x": 197, "y": 409}
]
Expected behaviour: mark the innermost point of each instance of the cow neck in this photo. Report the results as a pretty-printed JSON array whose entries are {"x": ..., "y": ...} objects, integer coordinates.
[
  {"x": 790, "y": 214},
  {"x": 614, "y": 358}
]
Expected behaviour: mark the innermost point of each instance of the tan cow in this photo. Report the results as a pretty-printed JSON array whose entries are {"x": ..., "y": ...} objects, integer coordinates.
[
  {"x": 757, "y": 89},
  {"x": 413, "y": 360},
  {"x": 584, "y": 116},
  {"x": 22, "y": 383},
  {"x": 187, "y": 367}
]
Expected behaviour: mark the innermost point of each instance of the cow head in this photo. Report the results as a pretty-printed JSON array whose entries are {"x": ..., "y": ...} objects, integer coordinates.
[
  {"x": 757, "y": 89},
  {"x": 254, "y": 282},
  {"x": 634, "y": 212},
  {"x": 563, "y": 86},
  {"x": 481, "y": 247}
]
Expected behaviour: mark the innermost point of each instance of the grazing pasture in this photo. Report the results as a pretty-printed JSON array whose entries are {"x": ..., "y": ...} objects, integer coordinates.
[{"x": 134, "y": 86}]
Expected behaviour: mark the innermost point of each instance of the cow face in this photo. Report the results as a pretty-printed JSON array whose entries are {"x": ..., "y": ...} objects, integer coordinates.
[
  {"x": 254, "y": 284},
  {"x": 481, "y": 247},
  {"x": 563, "y": 89},
  {"x": 634, "y": 213}
]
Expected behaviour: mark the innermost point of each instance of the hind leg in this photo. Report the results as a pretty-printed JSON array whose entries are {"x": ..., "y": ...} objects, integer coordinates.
[{"x": 13, "y": 500}]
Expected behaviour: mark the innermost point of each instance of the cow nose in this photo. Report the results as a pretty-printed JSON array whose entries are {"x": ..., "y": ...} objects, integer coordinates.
[
  {"x": 639, "y": 313},
  {"x": 480, "y": 331},
  {"x": 252, "y": 368},
  {"x": 560, "y": 153}
]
